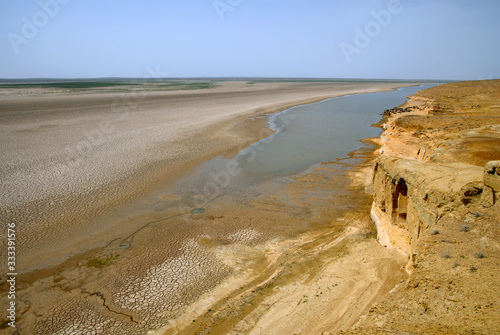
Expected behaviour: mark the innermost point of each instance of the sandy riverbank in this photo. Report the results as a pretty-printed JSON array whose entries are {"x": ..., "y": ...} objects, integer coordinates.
[
  {"x": 438, "y": 144},
  {"x": 147, "y": 143},
  {"x": 67, "y": 158},
  {"x": 320, "y": 278}
]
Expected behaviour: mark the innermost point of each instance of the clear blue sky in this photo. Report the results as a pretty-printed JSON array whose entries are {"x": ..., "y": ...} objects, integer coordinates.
[{"x": 422, "y": 39}]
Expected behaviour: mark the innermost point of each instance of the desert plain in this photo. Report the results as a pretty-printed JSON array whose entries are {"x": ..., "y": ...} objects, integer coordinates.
[{"x": 96, "y": 180}]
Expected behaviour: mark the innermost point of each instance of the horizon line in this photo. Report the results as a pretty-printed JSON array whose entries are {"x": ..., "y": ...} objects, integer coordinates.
[{"x": 227, "y": 78}]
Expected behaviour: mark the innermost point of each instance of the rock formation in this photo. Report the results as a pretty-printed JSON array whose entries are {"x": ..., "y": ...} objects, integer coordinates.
[{"x": 436, "y": 195}]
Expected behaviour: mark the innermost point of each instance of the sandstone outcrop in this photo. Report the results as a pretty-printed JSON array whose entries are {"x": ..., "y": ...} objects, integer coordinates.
[
  {"x": 436, "y": 199},
  {"x": 411, "y": 196},
  {"x": 426, "y": 170},
  {"x": 491, "y": 189}
]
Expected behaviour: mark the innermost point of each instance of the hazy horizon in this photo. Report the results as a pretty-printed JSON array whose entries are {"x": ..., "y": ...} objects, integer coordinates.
[
  {"x": 379, "y": 39},
  {"x": 226, "y": 79}
]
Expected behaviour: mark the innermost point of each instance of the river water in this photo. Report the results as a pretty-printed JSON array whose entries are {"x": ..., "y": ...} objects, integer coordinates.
[
  {"x": 320, "y": 132},
  {"x": 304, "y": 136},
  {"x": 300, "y": 138}
]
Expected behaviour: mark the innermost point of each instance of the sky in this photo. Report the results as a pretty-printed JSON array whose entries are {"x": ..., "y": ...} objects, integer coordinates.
[{"x": 384, "y": 39}]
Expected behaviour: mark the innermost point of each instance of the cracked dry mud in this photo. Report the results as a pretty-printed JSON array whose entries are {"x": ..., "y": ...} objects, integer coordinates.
[{"x": 172, "y": 264}]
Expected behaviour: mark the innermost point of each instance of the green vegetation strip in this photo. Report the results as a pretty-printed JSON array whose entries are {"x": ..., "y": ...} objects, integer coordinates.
[{"x": 161, "y": 85}]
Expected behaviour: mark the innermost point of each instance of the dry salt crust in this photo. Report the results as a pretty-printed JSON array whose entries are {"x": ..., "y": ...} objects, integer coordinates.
[{"x": 171, "y": 265}]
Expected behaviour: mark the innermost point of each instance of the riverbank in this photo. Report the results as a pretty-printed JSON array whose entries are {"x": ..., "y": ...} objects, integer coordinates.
[
  {"x": 299, "y": 254},
  {"x": 331, "y": 200},
  {"x": 67, "y": 158},
  {"x": 318, "y": 279},
  {"x": 84, "y": 266},
  {"x": 436, "y": 201}
]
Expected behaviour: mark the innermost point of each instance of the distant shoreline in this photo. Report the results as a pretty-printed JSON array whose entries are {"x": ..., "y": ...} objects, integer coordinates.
[{"x": 109, "y": 81}]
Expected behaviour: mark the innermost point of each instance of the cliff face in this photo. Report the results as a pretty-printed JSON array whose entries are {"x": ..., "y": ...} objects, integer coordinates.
[
  {"x": 438, "y": 175},
  {"x": 425, "y": 169},
  {"x": 411, "y": 196}
]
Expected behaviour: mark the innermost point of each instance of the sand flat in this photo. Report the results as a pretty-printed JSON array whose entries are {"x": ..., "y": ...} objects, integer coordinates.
[
  {"x": 75, "y": 216},
  {"x": 65, "y": 158}
]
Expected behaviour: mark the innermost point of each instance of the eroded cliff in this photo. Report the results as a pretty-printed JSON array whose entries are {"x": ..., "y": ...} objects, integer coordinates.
[{"x": 436, "y": 194}]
